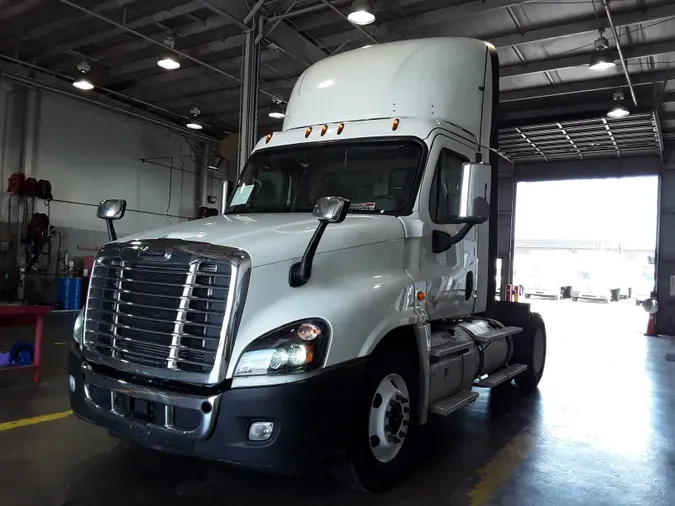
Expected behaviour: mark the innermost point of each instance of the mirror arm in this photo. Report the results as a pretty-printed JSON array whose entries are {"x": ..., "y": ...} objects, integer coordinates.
[
  {"x": 302, "y": 271},
  {"x": 442, "y": 241},
  {"x": 111, "y": 230}
]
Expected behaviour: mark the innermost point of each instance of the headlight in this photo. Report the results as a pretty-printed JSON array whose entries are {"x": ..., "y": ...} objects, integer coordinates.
[
  {"x": 78, "y": 328},
  {"x": 293, "y": 348}
]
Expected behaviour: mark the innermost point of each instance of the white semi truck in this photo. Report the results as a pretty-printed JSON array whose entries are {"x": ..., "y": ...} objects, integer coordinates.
[{"x": 345, "y": 298}]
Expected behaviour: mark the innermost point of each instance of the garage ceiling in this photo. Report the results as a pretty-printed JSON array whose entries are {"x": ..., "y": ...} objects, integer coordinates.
[{"x": 544, "y": 48}]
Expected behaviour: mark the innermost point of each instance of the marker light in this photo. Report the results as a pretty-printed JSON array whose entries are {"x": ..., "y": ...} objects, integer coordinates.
[
  {"x": 340, "y": 128},
  {"x": 324, "y": 129},
  {"x": 308, "y": 131},
  {"x": 394, "y": 125}
]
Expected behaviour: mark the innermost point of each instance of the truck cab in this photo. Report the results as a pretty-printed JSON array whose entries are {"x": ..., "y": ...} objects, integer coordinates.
[{"x": 344, "y": 298}]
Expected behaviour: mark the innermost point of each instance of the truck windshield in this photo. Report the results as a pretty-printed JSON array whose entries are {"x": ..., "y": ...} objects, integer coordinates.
[{"x": 377, "y": 177}]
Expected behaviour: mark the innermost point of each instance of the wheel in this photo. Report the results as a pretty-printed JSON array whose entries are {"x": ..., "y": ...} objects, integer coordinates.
[
  {"x": 530, "y": 349},
  {"x": 527, "y": 295},
  {"x": 380, "y": 450},
  {"x": 574, "y": 299},
  {"x": 615, "y": 294}
]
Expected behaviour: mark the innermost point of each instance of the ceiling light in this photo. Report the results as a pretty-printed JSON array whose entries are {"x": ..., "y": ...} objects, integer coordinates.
[
  {"x": 618, "y": 110},
  {"x": 361, "y": 12},
  {"x": 169, "y": 61},
  {"x": 601, "y": 60},
  {"x": 193, "y": 123},
  {"x": 82, "y": 83},
  {"x": 277, "y": 110}
]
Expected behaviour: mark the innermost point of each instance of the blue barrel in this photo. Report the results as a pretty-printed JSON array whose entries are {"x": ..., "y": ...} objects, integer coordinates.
[{"x": 69, "y": 292}]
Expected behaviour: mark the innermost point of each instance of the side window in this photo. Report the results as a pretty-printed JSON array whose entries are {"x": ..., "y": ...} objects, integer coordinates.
[{"x": 446, "y": 187}]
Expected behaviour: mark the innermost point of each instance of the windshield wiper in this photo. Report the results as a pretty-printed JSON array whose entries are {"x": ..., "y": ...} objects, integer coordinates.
[{"x": 239, "y": 208}]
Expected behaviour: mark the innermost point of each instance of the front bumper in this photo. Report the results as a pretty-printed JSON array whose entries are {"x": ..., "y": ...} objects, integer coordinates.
[{"x": 313, "y": 417}]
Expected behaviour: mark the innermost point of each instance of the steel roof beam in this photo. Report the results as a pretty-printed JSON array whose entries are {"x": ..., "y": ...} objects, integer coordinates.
[
  {"x": 558, "y": 30},
  {"x": 65, "y": 21},
  {"x": 18, "y": 8},
  {"x": 435, "y": 17},
  {"x": 585, "y": 86},
  {"x": 102, "y": 35},
  {"x": 640, "y": 51}
]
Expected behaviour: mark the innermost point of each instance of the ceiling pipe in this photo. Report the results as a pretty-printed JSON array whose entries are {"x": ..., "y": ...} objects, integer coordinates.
[
  {"x": 101, "y": 88},
  {"x": 157, "y": 43},
  {"x": 605, "y": 3},
  {"x": 103, "y": 105}
]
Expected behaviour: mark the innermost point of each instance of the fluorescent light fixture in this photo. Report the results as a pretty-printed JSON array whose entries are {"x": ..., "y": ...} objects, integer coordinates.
[
  {"x": 601, "y": 61},
  {"x": 169, "y": 63},
  {"x": 192, "y": 122},
  {"x": 83, "y": 84},
  {"x": 618, "y": 110},
  {"x": 277, "y": 110},
  {"x": 361, "y": 13}
]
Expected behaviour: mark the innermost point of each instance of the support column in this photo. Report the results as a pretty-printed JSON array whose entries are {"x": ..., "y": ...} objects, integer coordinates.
[
  {"x": 665, "y": 248},
  {"x": 248, "y": 114},
  {"x": 506, "y": 223}
]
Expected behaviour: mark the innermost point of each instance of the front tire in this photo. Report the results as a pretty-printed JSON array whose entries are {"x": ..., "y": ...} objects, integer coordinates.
[
  {"x": 380, "y": 451},
  {"x": 530, "y": 349}
]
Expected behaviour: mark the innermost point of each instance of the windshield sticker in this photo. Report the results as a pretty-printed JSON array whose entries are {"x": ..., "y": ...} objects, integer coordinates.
[
  {"x": 241, "y": 194},
  {"x": 362, "y": 206}
]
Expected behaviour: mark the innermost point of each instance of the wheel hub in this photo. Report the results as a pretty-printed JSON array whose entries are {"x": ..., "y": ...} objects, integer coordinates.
[{"x": 389, "y": 417}]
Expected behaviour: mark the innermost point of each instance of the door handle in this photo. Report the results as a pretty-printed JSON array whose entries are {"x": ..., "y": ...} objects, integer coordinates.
[{"x": 468, "y": 290}]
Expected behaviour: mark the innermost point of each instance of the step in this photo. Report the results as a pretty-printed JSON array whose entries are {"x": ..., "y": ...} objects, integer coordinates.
[
  {"x": 502, "y": 376},
  {"x": 497, "y": 334},
  {"x": 450, "y": 404},
  {"x": 449, "y": 348}
]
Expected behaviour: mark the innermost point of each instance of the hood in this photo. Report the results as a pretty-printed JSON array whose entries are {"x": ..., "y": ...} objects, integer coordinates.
[{"x": 270, "y": 238}]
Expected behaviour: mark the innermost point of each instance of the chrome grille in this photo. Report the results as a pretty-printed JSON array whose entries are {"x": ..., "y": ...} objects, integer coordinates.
[{"x": 162, "y": 313}]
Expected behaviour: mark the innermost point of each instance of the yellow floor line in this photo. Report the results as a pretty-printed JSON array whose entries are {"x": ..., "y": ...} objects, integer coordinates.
[
  {"x": 500, "y": 468},
  {"x": 34, "y": 420}
]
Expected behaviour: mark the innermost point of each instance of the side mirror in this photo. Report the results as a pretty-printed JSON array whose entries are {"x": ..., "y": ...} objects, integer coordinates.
[
  {"x": 473, "y": 204},
  {"x": 331, "y": 209},
  {"x": 110, "y": 210},
  {"x": 478, "y": 212},
  {"x": 326, "y": 210}
]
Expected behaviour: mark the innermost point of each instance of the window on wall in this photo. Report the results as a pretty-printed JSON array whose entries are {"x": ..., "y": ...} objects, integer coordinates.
[{"x": 446, "y": 187}]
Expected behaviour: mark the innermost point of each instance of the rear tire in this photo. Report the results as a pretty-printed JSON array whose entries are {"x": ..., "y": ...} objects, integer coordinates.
[
  {"x": 574, "y": 299},
  {"x": 527, "y": 296},
  {"x": 370, "y": 463},
  {"x": 530, "y": 349}
]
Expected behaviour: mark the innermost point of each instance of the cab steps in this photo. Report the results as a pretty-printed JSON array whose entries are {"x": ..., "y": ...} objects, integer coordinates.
[
  {"x": 451, "y": 404},
  {"x": 506, "y": 374}
]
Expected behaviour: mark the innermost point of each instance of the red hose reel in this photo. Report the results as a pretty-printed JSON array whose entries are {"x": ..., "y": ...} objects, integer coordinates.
[{"x": 19, "y": 184}]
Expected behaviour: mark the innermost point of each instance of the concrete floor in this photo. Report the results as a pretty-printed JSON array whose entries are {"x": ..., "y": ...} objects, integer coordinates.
[{"x": 599, "y": 431}]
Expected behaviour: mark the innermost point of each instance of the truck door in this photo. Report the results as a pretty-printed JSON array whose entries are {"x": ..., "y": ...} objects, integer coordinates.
[{"x": 451, "y": 275}]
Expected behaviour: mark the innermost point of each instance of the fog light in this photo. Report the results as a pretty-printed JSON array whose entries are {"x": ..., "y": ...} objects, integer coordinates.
[
  {"x": 260, "y": 431},
  {"x": 71, "y": 383}
]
